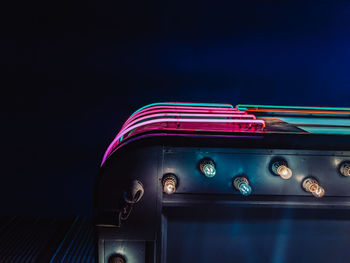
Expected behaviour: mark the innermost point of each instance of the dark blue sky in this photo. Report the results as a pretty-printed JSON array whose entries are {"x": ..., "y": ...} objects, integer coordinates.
[{"x": 74, "y": 71}]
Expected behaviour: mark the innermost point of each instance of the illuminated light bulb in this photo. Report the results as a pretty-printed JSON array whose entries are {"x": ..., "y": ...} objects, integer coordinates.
[
  {"x": 281, "y": 168},
  {"x": 284, "y": 172},
  {"x": 241, "y": 184},
  {"x": 245, "y": 189},
  {"x": 169, "y": 184},
  {"x": 116, "y": 259},
  {"x": 311, "y": 185},
  {"x": 345, "y": 169},
  {"x": 319, "y": 192},
  {"x": 207, "y": 167}
]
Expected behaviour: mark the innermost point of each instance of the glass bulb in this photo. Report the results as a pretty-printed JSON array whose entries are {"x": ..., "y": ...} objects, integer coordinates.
[
  {"x": 207, "y": 167},
  {"x": 345, "y": 169},
  {"x": 284, "y": 172},
  {"x": 245, "y": 189},
  {"x": 169, "y": 184},
  {"x": 319, "y": 192},
  {"x": 280, "y": 167},
  {"x": 116, "y": 259},
  {"x": 209, "y": 170},
  {"x": 169, "y": 187},
  {"x": 241, "y": 184},
  {"x": 311, "y": 185}
]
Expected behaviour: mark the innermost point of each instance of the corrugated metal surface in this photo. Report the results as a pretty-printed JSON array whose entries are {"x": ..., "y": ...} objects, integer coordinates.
[{"x": 35, "y": 240}]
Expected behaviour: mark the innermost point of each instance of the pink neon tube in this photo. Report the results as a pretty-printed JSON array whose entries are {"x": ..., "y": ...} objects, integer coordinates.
[
  {"x": 187, "y": 104},
  {"x": 117, "y": 138},
  {"x": 194, "y": 108},
  {"x": 185, "y": 109},
  {"x": 178, "y": 115},
  {"x": 213, "y": 112}
]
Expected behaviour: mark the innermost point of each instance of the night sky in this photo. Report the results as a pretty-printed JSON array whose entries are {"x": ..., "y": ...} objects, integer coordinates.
[{"x": 74, "y": 71}]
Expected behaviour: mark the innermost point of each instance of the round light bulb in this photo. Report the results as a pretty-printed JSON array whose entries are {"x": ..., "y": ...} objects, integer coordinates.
[
  {"x": 169, "y": 184},
  {"x": 241, "y": 184},
  {"x": 209, "y": 170},
  {"x": 280, "y": 167},
  {"x": 116, "y": 259},
  {"x": 311, "y": 185},
  {"x": 207, "y": 167},
  {"x": 345, "y": 169},
  {"x": 319, "y": 192},
  {"x": 245, "y": 189},
  {"x": 284, "y": 172}
]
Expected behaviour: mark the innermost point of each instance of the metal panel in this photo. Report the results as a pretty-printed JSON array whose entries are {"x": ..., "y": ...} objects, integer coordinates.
[{"x": 258, "y": 235}]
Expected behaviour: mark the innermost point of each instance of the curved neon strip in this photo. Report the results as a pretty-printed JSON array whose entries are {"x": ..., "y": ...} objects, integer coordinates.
[
  {"x": 178, "y": 115},
  {"x": 213, "y": 112},
  {"x": 182, "y": 109},
  {"x": 115, "y": 141},
  {"x": 246, "y": 106},
  {"x": 185, "y": 104},
  {"x": 214, "y": 115}
]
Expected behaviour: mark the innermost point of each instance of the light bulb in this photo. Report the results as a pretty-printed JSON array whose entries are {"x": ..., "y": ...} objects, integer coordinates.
[
  {"x": 169, "y": 184},
  {"x": 284, "y": 172},
  {"x": 207, "y": 167},
  {"x": 116, "y": 258},
  {"x": 241, "y": 184},
  {"x": 311, "y": 185},
  {"x": 245, "y": 189},
  {"x": 345, "y": 169},
  {"x": 319, "y": 192},
  {"x": 281, "y": 168}
]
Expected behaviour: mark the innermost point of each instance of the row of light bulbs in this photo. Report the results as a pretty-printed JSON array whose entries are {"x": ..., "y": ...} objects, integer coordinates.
[{"x": 240, "y": 183}]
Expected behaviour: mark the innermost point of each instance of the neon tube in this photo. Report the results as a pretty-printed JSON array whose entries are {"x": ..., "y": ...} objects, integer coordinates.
[
  {"x": 182, "y": 108},
  {"x": 179, "y": 115},
  {"x": 186, "y": 104},
  {"x": 303, "y": 108},
  {"x": 185, "y": 110},
  {"x": 298, "y": 111},
  {"x": 116, "y": 139}
]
